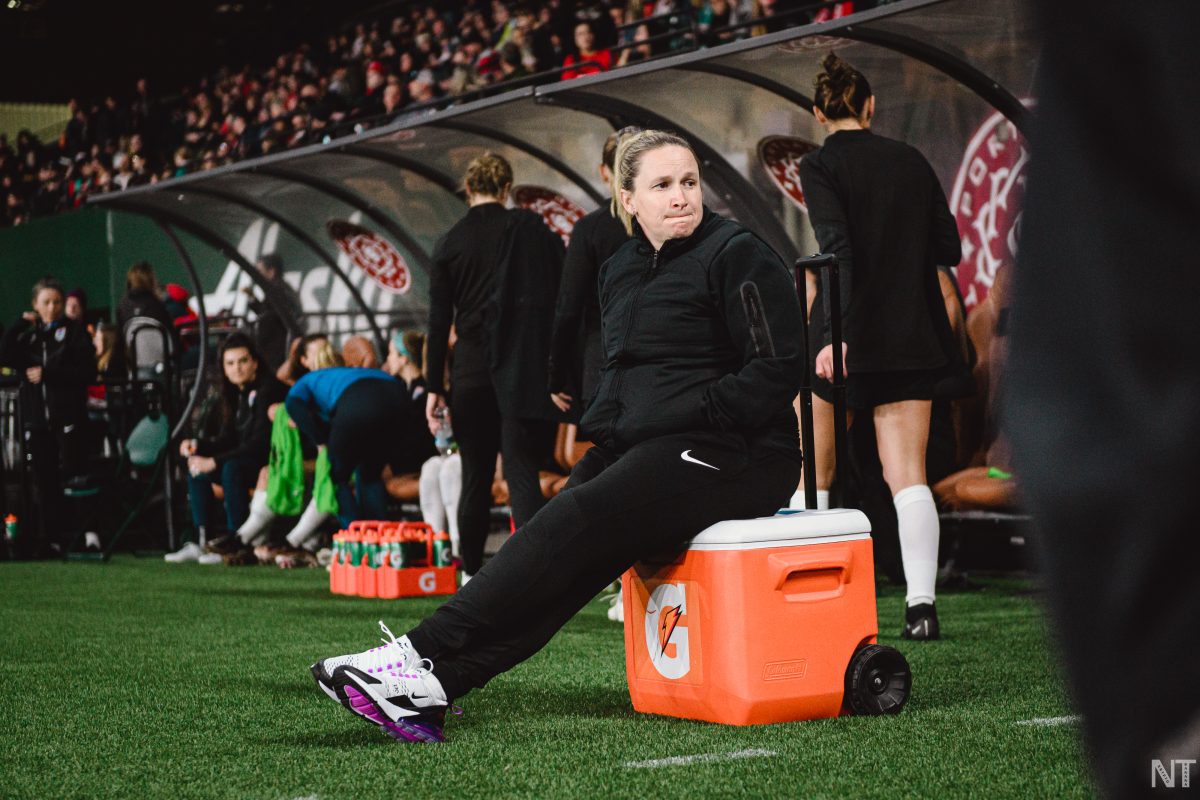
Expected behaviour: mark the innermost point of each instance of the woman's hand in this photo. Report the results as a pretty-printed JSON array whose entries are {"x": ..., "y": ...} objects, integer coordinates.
[
  {"x": 435, "y": 404},
  {"x": 198, "y": 465},
  {"x": 562, "y": 401},
  {"x": 30, "y": 316},
  {"x": 187, "y": 448},
  {"x": 825, "y": 361},
  {"x": 34, "y": 375}
]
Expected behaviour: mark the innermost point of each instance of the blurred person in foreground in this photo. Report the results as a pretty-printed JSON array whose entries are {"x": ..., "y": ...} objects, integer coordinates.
[{"x": 1104, "y": 376}]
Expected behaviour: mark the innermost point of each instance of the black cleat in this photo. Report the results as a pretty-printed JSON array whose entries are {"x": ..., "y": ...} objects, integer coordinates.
[{"x": 921, "y": 623}]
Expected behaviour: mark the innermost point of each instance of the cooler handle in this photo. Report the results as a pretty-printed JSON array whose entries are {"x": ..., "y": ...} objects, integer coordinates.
[{"x": 812, "y": 579}]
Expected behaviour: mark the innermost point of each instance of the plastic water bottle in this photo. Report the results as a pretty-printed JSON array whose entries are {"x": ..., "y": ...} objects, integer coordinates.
[
  {"x": 443, "y": 438},
  {"x": 10, "y": 535},
  {"x": 441, "y": 549}
]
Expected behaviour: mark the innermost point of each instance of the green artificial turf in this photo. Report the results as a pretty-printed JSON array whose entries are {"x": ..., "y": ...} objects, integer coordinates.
[{"x": 140, "y": 679}]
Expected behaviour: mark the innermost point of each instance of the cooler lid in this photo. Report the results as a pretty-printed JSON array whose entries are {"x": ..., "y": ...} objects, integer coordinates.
[{"x": 838, "y": 523}]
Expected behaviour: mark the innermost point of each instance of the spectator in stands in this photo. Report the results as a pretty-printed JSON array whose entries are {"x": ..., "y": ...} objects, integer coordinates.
[
  {"x": 280, "y": 311},
  {"x": 575, "y": 352},
  {"x": 498, "y": 375},
  {"x": 232, "y": 459},
  {"x": 877, "y": 205},
  {"x": 641, "y": 49},
  {"x": 589, "y": 59},
  {"x": 54, "y": 357},
  {"x": 142, "y": 298},
  {"x": 702, "y": 358}
]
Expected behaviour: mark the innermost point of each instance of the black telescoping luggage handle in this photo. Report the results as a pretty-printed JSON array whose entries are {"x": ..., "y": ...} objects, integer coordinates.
[{"x": 817, "y": 263}]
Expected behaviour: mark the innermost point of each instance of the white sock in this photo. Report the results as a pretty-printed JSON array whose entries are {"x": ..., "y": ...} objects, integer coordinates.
[
  {"x": 429, "y": 494},
  {"x": 797, "y": 500},
  {"x": 260, "y": 516},
  {"x": 307, "y": 526},
  {"x": 450, "y": 480},
  {"x": 919, "y": 533}
]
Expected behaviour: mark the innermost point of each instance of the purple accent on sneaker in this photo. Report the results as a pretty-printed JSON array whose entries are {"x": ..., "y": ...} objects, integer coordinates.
[
  {"x": 416, "y": 732},
  {"x": 361, "y": 704}
]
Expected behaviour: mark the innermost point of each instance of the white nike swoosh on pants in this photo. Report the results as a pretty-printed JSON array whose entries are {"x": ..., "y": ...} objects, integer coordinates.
[{"x": 684, "y": 455}]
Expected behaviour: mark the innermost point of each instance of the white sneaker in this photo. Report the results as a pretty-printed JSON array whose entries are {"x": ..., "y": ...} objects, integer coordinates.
[
  {"x": 208, "y": 559},
  {"x": 408, "y": 706},
  {"x": 391, "y": 695},
  {"x": 395, "y": 654},
  {"x": 189, "y": 552}
]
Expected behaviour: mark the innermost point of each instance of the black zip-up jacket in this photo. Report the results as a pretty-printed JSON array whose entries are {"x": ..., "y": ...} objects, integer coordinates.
[
  {"x": 877, "y": 204},
  {"x": 496, "y": 275},
  {"x": 248, "y": 436},
  {"x": 575, "y": 349},
  {"x": 68, "y": 360},
  {"x": 703, "y": 334}
]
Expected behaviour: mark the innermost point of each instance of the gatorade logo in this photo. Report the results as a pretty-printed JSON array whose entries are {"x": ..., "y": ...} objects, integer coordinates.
[
  {"x": 666, "y": 637},
  {"x": 427, "y": 582}
]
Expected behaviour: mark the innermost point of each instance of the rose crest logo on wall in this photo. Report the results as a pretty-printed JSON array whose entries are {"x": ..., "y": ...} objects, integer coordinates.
[
  {"x": 373, "y": 254},
  {"x": 559, "y": 213},
  {"x": 986, "y": 202},
  {"x": 781, "y": 156}
]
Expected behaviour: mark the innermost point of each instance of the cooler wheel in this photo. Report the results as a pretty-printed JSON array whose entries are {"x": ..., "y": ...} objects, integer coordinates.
[{"x": 878, "y": 680}]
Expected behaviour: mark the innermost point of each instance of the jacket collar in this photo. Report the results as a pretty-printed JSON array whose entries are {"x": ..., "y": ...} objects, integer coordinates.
[{"x": 673, "y": 248}]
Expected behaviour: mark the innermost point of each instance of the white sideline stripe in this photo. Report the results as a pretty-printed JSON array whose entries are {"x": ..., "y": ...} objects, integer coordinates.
[
  {"x": 1042, "y": 722},
  {"x": 683, "y": 761}
]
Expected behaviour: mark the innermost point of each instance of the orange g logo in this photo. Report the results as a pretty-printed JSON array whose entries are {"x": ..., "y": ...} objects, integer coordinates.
[{"x": 666, "y": 638}]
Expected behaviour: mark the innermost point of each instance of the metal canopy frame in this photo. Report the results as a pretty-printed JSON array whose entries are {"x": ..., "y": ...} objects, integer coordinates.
[
  {"x": 745, "y": 76},
  {"x": 392, "y": 158},
  {"x": 943, "y": 61},
  {"x": 355, "y": 200},
  {"x": 296, "y": 231},
  {"x": 526, "y": 147}
]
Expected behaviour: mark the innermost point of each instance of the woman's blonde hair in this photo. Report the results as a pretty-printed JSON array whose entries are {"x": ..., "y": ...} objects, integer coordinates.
[
  {"x": 325, "y": 357},
  {"x": 629, "y": 160},
  {"x": 490, "y": 175}
]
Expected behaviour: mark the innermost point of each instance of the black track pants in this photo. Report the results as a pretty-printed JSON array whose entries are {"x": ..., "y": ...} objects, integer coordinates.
[
  {"x": 481, "y": 433},
  {"x": 614, "y": 511}
]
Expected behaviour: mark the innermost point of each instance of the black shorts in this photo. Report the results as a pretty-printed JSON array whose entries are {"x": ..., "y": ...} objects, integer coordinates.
[{"x": 866, "y": 390}]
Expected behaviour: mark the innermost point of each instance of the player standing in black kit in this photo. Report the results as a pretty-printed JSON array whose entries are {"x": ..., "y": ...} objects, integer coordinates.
[
  {"x": 877, "y": 204},
  {"x": 495, "y": 278},
  {"x": 692, "y": 421},
  {"x": 575, "y": 351}
]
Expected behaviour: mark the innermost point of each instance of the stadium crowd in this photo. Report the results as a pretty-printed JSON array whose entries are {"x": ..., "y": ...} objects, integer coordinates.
[{"x": 421, "y": 56}]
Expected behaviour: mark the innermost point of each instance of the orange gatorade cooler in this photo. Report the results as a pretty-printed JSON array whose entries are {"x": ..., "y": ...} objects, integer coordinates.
[{"x": 760, "y": 621}]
